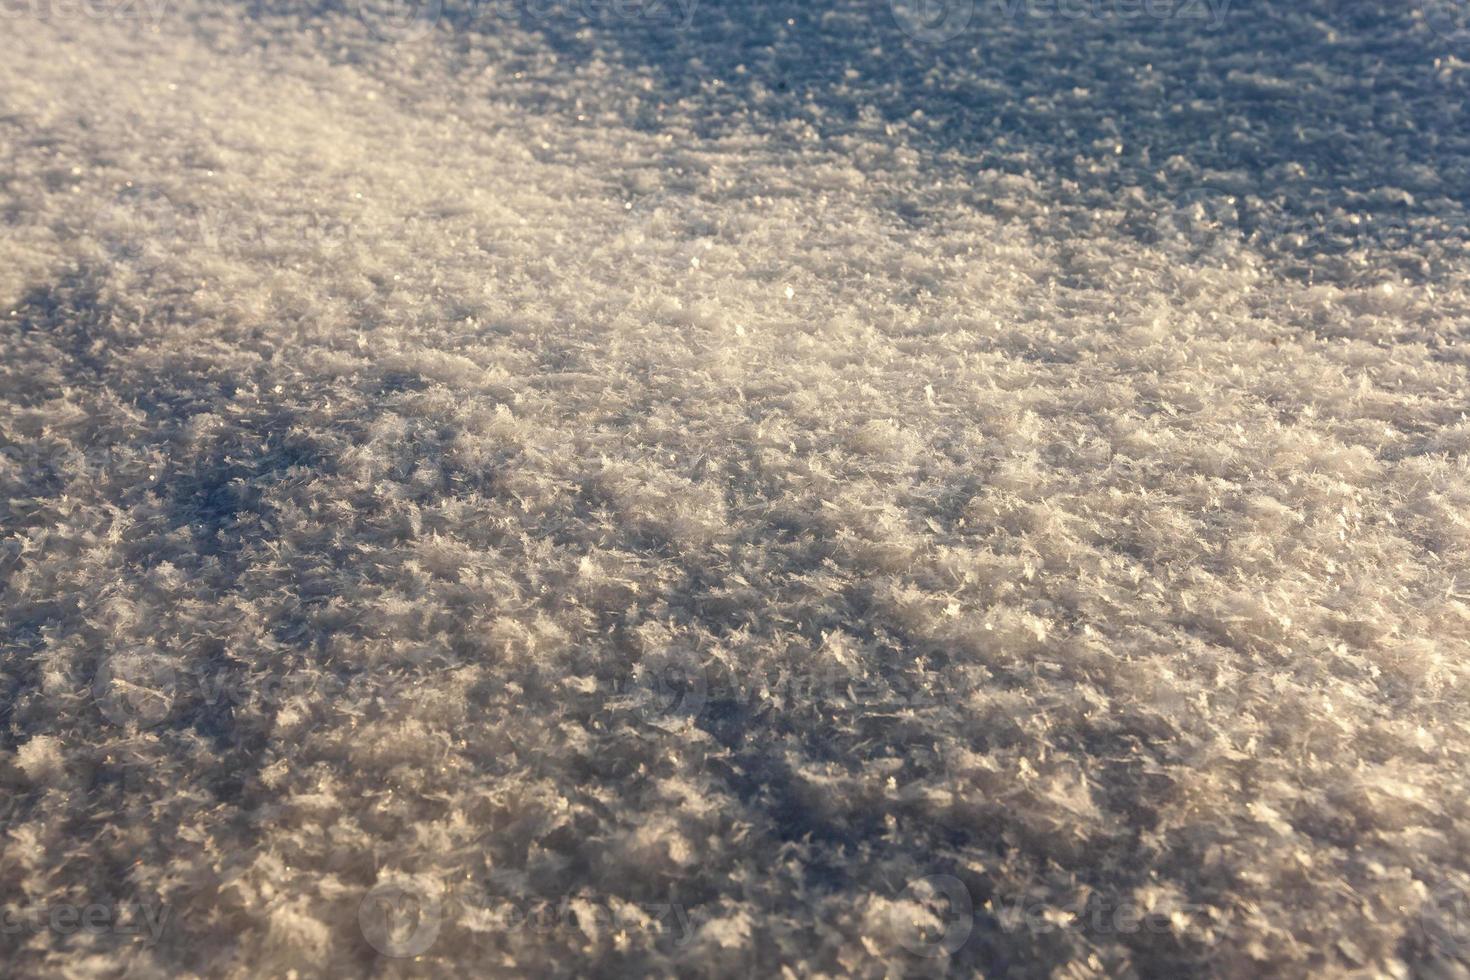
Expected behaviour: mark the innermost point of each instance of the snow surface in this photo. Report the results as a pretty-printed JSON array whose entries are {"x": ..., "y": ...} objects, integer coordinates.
[{"x": 571, "y": 488}]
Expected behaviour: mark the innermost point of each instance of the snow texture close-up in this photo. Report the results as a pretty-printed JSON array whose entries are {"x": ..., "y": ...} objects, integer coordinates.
[{"x": 716, "y": 488}]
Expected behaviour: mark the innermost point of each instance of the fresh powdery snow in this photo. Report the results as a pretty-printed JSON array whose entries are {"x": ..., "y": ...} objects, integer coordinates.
[{"x": 715, "y": 488}]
